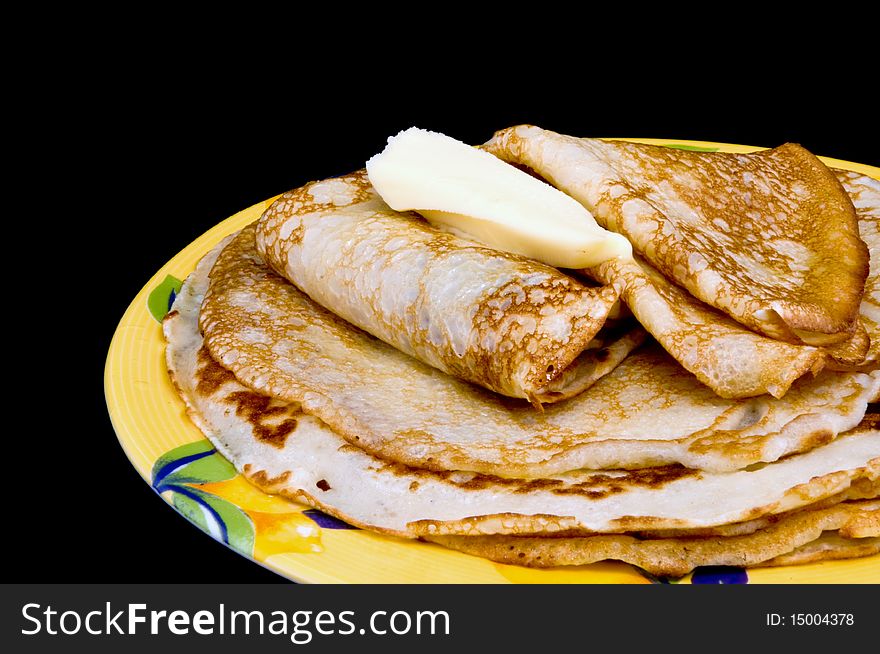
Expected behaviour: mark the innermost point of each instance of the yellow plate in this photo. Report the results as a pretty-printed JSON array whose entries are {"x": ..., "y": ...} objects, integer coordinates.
[{"x": 302, "y": 544}]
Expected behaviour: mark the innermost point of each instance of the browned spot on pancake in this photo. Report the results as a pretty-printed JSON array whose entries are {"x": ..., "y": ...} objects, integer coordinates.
[
  {"x": 172, "y": 314},
  {"x": 264, "y": 481},
  {"x": 210, "y": 375},
  {"x": 632, "y": 522},
  {"x": 414, "y": 486},
  {"x": 596, "y": 487},
  {"x": 601, "y": 486},
  {"x": 476, "y": 520},
  {"x": 257, "y": 409},
  {"x": 323, "y": 485}
]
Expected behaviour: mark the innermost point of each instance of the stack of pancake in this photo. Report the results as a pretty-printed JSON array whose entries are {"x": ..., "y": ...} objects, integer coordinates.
[{"x": 705, "y": 402}]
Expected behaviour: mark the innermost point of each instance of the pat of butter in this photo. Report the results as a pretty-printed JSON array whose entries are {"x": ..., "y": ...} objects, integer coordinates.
[{"x": 474, "y": 194}]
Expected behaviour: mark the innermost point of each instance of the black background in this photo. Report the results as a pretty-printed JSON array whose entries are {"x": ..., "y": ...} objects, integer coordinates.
[{"x": 148, "y": 159}]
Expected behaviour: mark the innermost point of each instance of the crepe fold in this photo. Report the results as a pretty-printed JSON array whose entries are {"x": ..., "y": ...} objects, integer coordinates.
[
  {"x": 730, "y": 359},
  {"x": 768, "y": 238},
  {"x": 647, "y": 411},
  {"x": 865, "y": 194},
  {"x": 509, "y": 324}
]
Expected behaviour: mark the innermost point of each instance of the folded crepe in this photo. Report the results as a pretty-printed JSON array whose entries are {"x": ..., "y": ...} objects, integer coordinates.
[
  {"x": 648, "y": 411},
  {"x": 768, "y": 238},
  {"x": 865, "y": 194},
  {"x": 284, "y": 450},
  {"x": 733, "y": 361},
  {"x": 510, "y": 324}
]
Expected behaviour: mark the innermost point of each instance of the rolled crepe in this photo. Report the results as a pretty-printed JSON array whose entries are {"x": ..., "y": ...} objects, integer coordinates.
[{"x": 510, "y": 324}]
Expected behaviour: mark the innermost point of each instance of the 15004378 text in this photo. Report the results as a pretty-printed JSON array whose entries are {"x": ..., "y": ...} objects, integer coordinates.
[{"x": 810, "y": 619}]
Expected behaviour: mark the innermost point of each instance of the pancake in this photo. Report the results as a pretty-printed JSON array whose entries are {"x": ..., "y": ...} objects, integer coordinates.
[
  {"x": 510, "y": 324},
  {"x": 283, "y": 450},
  {"x": 828, "y": 547},
  {"x": 769, "y": 238},
  {"x": 648, "y": 411},
  {"x": 678, "y": 556},
  {"x": 735, "y": 361},
  {"x": 860, "y": 489},
  {"x": 865, "y": 194},
  {"x": 730, "y": 359}
]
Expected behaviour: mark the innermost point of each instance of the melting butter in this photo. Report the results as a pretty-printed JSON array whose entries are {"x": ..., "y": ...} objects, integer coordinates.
[{"x": 476, "y": 195}]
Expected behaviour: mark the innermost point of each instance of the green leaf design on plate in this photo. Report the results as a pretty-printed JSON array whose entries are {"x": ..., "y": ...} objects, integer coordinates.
[
  {"x": 693, "y": 148},
  {"x": 199, "y": 463},
  {"x": 178, "y": 453},
  {"x": 160, "y": 297},
  {"x": 211, "y": 468},
  {"x": 191, "y": 510},
  {"x": 239, "y": 528}
]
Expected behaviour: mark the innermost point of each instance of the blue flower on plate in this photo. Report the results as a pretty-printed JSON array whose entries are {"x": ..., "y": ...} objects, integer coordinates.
[
  {"x": 719, "y": 574},
  {"x": 326, "y": 521}
]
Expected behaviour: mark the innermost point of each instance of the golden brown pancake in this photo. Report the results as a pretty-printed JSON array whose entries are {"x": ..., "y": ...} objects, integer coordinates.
[
  {"x": 865, "y": 194},
  {"x": 678, "y": 556},
  {"x": 828, "y": 547},
  {"x": 733, "y": 361},
  {"x": 769, "y": 238}
]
